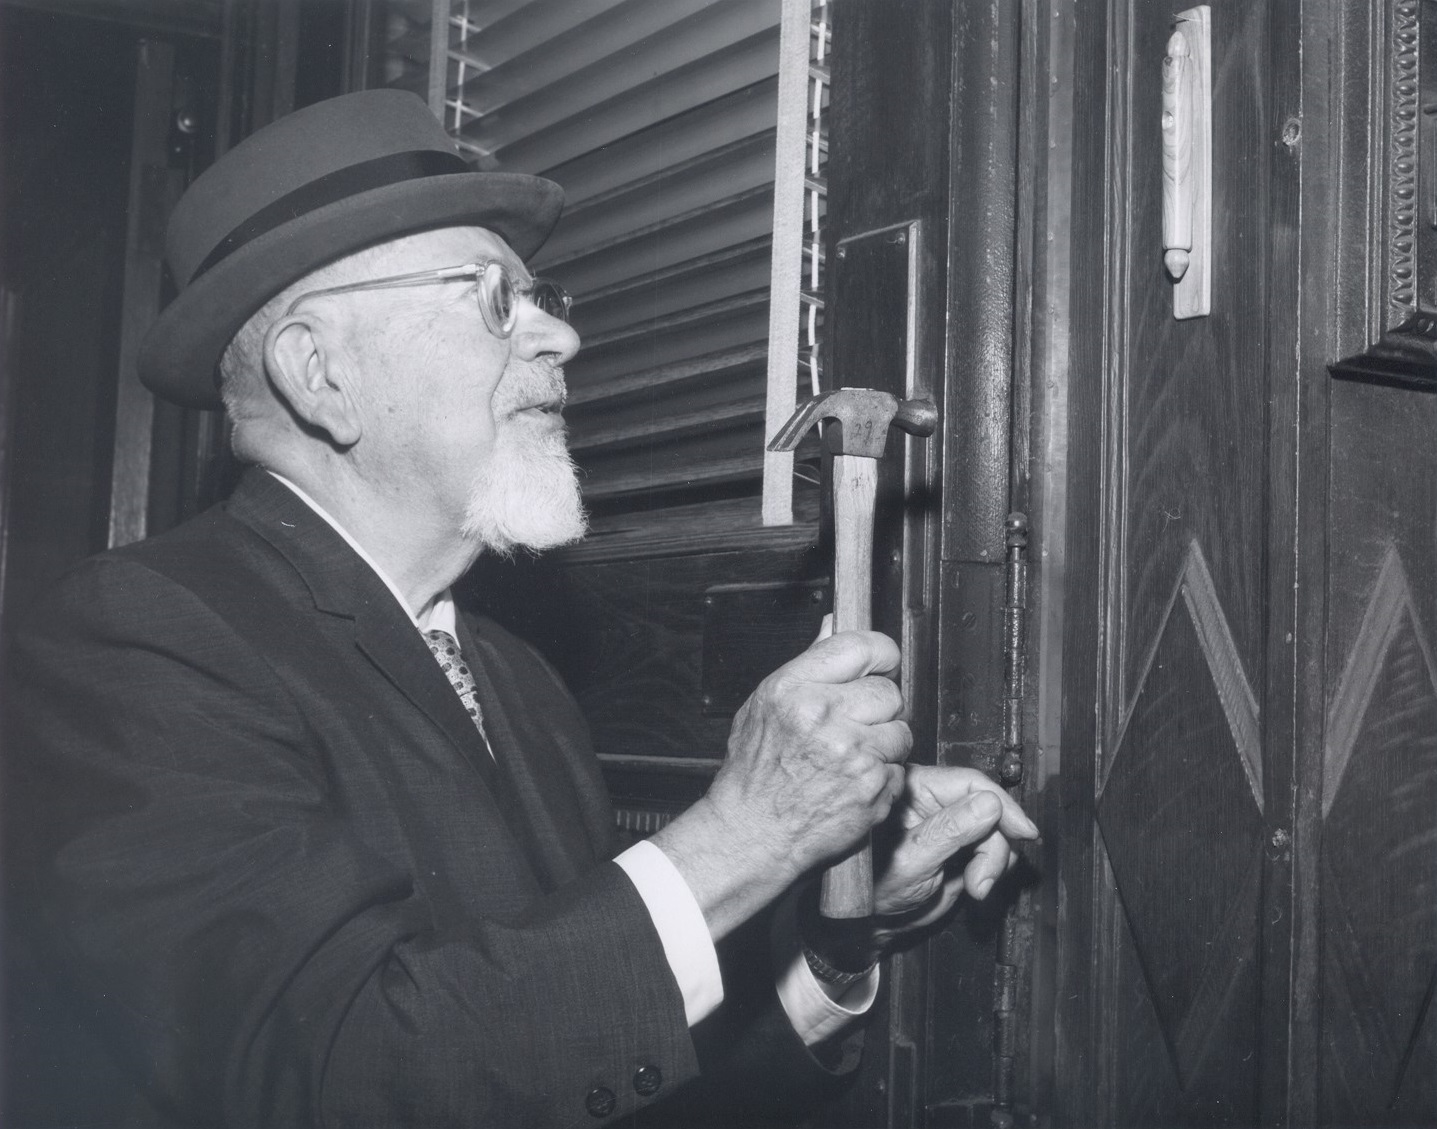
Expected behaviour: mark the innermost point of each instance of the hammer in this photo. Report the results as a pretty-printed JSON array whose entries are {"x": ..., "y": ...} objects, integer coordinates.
[{"x": 857, "y": 435}]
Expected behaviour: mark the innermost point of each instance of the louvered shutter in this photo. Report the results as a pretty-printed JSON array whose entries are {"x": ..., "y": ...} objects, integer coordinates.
[{"x": 659, "y": 118}]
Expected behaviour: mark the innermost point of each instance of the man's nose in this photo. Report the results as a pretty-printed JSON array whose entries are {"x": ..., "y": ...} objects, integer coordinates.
[{"x": 539, "y": 334}]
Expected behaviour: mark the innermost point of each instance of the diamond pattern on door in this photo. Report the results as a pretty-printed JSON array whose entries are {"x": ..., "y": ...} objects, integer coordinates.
[
  {"x": 1379, "y": 862},
  {"x": 1181, "y": 818}
]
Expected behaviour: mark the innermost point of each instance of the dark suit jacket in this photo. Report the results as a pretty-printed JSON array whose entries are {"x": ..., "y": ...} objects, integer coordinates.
[{"x": 255, "y": 835}]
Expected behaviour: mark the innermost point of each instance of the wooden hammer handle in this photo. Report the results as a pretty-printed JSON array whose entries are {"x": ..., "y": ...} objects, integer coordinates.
[{"x": 848, "y": 885}]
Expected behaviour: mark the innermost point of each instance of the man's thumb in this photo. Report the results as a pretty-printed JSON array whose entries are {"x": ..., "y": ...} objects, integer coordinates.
[{"x": 959, "y": 825}]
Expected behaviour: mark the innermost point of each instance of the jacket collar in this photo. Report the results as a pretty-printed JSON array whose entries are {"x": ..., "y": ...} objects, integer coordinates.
[{"x": 341, "y": 583}]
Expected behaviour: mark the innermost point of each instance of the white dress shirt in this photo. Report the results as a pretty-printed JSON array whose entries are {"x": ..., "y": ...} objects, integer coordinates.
[{"x": 815, "y": 1010}]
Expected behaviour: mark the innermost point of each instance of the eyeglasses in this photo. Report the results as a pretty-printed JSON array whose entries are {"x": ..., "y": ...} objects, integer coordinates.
[{"x": 498, "y": 292}]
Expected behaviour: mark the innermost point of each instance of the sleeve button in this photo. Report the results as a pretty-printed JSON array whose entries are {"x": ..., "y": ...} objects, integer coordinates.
[
  {"x": 647, "y": 1080},
  {"x": 600, "y": 1101}
]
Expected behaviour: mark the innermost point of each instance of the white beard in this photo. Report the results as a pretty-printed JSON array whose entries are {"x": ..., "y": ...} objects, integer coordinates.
[{"x": 527, "y": 493}]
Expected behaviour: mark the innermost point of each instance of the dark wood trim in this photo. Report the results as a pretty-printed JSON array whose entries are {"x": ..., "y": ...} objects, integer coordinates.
[
  {"x": 644, "y": 544},
  {"x": 1110, "y": 436},
  {"x": 1341, "y": 311},
  {"x": 198, "y": 18},
  {"x": 1403, "y": 357},
  {"x": 363, "y": 29},
  {"x": 1285, "y": 532},
  {"x": 191, "y": 466},
  {"x": 982, "y": 225},
  {"x": 9, "y": 316},
  {"x": 154, "y": 187},
  {"x": 258, "y": 58},
  {"x": 684, "y": 766},
  {"x": 230, "y": 80},
  {"x": 1076, "y": 1069},
  {"x": 1041, "y": 370}
]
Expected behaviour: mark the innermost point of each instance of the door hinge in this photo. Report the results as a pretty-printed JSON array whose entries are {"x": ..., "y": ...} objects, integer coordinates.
[
  {"x": 1005, "y": 1038},
  {"x": 1010, "y": 964},
  {"x": 1015, "y": 630}
]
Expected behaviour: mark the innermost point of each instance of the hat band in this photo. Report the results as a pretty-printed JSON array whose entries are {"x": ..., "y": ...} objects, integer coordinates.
[{"x": 333, "y": 187}]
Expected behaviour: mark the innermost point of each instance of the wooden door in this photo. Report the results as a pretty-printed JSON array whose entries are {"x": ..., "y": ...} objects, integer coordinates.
[
  {"x": 1241, "y": 688},
  {"x": 1177, "y": 741},
  {"x": 1365, "y": 1028}
]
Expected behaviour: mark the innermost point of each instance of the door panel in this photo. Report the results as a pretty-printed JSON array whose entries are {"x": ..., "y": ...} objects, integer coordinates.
[
  {"x": 1378, "y": 868},
  {"x": 1176, "y": 772},
  {"x": 1372, "y": 855},
  {"x": 1250, "y": 837}
]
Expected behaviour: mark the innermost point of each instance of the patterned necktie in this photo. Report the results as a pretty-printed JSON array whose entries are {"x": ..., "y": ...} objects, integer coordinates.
[{"x": 445, "y": 649}]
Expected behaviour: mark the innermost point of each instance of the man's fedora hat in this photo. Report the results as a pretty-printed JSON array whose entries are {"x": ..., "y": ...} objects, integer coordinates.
[{"x": 318, "y": 184}]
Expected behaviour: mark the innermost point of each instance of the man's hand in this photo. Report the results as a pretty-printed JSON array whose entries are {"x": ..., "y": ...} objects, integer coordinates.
[
  {"x": 815, "y": 756},
  {"x": 944, "y": 811},
  {"x": 951, "y": 832},
  {"x": 815, "y": 760}
]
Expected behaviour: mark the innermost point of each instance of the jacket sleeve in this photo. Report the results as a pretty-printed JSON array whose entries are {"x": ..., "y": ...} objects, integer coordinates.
[
  {"x": 755, "y": 1070},
  {"x": 184, "y": 859}
]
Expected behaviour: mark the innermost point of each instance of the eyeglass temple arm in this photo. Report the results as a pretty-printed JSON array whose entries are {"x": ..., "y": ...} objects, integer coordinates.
[{"x": 443, "y": 274}]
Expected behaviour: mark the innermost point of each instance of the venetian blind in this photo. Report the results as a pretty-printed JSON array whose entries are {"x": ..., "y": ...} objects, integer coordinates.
[{"x": 659, "y": 118}]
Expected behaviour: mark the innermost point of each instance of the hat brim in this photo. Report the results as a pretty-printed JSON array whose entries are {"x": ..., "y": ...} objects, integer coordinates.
[{"x": 180, "y": 353}]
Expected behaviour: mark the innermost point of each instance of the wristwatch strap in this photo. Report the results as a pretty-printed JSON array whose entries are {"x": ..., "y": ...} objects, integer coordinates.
[{"x": 827, "y": 973}]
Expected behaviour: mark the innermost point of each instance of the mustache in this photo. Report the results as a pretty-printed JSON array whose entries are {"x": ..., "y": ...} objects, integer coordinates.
[{"x": 535, "y": 385}]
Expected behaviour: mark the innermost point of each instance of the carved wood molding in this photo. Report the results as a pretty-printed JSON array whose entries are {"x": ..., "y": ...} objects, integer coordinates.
[
  {"x": 1402, "y": 163},
  {"x": 1197, "y": 593},
  {"x": 1219, "y": 649},
  {"x": 1404, "y": 355},
  {"x": 1389, "y": 608}
]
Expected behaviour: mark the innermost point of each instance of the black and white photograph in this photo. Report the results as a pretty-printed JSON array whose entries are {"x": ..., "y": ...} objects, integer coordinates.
[{"x": 718, "y": 564}]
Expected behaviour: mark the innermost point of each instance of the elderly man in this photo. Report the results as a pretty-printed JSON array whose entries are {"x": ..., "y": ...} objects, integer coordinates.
[{"x": 310, "y": 845}]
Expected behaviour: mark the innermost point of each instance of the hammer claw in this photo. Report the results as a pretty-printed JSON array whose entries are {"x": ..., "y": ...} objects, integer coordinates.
[
  {"x": 791, "y": 434},
  {"x": 861, "y": 417}
]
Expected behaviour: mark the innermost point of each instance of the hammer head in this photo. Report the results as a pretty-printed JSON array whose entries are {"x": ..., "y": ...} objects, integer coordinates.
[{"x": 860, "y": 419}]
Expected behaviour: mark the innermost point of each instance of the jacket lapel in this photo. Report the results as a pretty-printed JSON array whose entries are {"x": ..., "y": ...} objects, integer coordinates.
[
  {"x": 394, "y": 645},
  {"x": 554, "y": 779},
  {"x": 342, "y": 584}
]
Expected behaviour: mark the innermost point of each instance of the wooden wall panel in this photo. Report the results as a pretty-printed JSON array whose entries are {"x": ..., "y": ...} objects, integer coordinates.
[
  {"x": 1262, "y": 767},
  {"x": 1378, "y": 870},
  {"x": 1152, "y": 1096},
  {"x": 1178, "y": 777},
  {"x": 1181, "y": 768},
  {"x": 627, "y": 635},
  {"x": 1372, "y": 938},
  {"x": 1195, "y": 409}
]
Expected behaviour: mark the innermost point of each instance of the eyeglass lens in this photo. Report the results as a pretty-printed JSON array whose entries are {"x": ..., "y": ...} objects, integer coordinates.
[
  {"x": 498, "y": 291},
  {"x": 551, "y": 298},
  {"x": 501, "y": 297}
]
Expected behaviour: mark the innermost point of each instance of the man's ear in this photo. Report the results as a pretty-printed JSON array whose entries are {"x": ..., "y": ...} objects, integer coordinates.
[{"x": 311, "y": 379}]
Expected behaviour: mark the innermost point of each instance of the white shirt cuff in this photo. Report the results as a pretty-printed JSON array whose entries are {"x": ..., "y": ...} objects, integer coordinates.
[
  {"x": 688, "y": 946},
  {"x": 814, "y": 1013}
]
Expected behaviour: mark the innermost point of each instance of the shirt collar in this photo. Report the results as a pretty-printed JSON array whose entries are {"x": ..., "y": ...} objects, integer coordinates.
[{"x": 439, "y": 616}]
